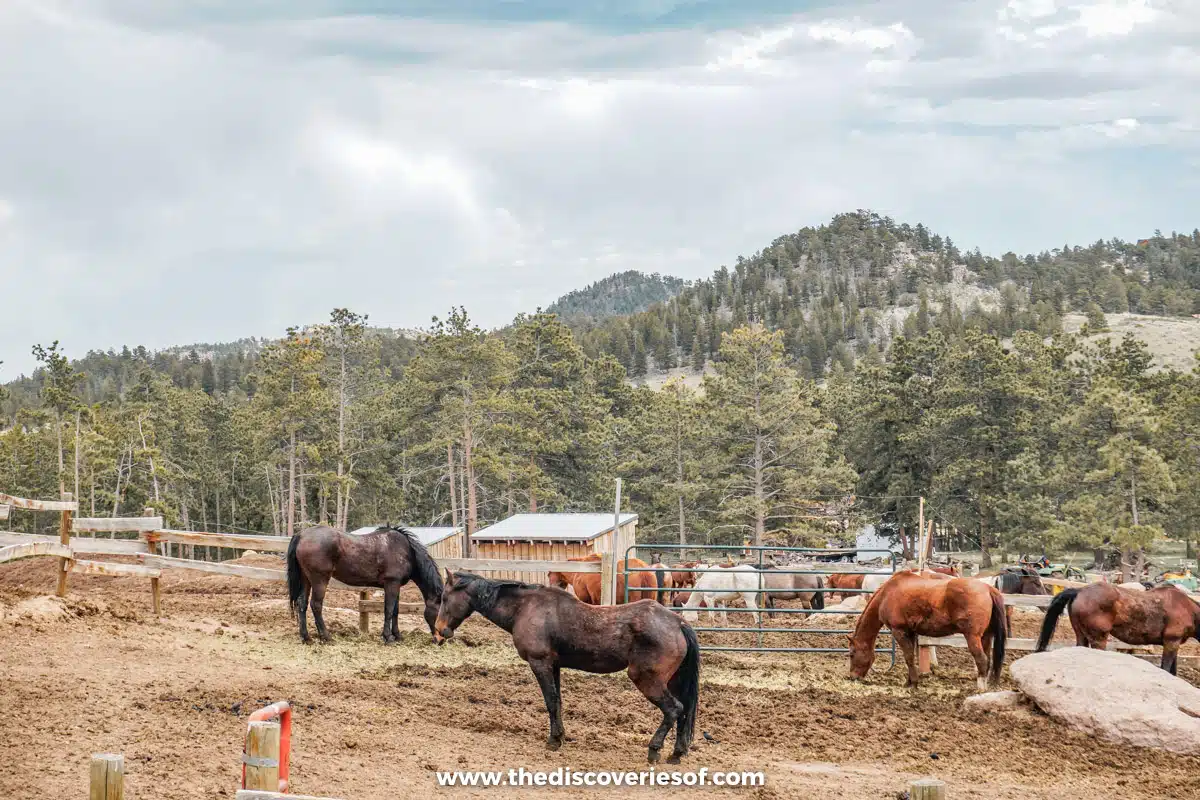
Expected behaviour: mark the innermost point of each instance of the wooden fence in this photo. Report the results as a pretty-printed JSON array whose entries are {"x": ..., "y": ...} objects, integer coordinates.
[{"x": 151, "y": 535}]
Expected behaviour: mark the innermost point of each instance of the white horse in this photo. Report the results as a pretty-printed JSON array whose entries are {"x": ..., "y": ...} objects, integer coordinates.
[{"x": 716, "y": 584}]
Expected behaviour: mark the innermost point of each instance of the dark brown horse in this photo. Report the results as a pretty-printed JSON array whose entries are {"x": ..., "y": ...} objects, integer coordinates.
[
  {"x": 386, "y": 559},
  {"x": 1165, "y": 616},
  {"x": 1023, "y": 580},
  {"x": 551, "y": 630},
  {"x": 671, "y": 581},
  {"x": 913, "y": 605}
]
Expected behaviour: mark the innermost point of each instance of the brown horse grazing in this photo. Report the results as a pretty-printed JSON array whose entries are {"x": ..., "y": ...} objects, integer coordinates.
[
  {"x": 678, "y": 599},
  {"x": 914, "y": 605},
  {"x": 843, "y": 580},
  {"x": 551, "y": 629},
  {"x": 587, "y": 584},
  {"x": 1165, "y": 616},
  {"x": 386, "y": 559}
]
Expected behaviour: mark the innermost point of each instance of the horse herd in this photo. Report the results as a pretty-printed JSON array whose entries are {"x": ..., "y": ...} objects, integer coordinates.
[{"x": 552, "y": 628}]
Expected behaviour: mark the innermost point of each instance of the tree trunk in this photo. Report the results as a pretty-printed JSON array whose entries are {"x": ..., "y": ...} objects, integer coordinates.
[
  {"x": 341, "y": 522},
  {"x": 153, "y": 471},
  {"x": 304, "y": 497},
  {"x": 62, "y": 486},
  {"x": 532, "y": 485},
  {"x": 986, "y": 562},
  {"x": 679, "y": 476},
  {"x": 453, "y": 486},
  {"x": 78, "y": 415},
  {"x": 472, "y": 507},
  {"x": 291, "y": 491}
]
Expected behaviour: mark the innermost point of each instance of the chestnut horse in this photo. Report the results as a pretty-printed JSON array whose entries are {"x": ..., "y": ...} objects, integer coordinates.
[
  {"x": 551, "y": 630},
  {"x": 386, "y": 559},
  {"x": 1165, "y": 616},
  {"x": 843, "y": 580},
  {"x": 914, "y": 605},
  {"x": 587, "y": 584}
]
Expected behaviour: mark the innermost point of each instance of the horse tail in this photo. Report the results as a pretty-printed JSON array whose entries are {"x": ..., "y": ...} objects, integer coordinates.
[
  {"x": 295, "y": 577},
  {"x": 685, "y": 685},
  {"x": 1060, "y": 602},
  {"x": 425, "y": 569},
  {"x": 818, "y": 597},
  {"x": 998, "y": 627},
  {"x": 660, "y": 578}
]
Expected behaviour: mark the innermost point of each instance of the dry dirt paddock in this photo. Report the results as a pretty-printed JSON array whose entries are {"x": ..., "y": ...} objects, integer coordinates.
[{"x": 101, "y": 674}]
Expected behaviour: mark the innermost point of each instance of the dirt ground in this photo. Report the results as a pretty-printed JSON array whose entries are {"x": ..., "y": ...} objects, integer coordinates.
[{"x": 100, "y": 674}]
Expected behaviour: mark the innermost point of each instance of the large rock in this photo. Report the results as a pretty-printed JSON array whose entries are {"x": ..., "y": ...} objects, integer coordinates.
[
  {"x": 1113, "y": 695},
  {"x": 995, "y": 701}
]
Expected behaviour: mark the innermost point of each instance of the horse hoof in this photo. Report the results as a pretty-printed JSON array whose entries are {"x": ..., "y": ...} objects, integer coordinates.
[
  {"x": 674, "y": 758},
  {"x": 553, "y": 744},
  {"x": 652, "y": 755}
]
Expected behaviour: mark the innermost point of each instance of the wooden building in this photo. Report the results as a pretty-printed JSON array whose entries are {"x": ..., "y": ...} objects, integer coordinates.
[
  {"x": 440, "y": 542},
  {"x": 552, "y": 537}
]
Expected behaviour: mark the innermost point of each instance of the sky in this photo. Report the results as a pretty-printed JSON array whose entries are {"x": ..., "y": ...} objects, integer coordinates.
[{"x": 175, "y": 172}]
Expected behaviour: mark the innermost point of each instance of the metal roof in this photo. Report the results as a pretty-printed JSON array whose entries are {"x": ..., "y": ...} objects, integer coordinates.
[
  {"x": 551, "y": 527},
  {"x": 427, "y": 536}
]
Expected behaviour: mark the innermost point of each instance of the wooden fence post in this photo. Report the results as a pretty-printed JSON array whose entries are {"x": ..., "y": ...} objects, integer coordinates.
[
  {"x": 64, "y": 536},
  {"x": 107, "y": 777},
  {"x": 608, "y": 579},
  {"x": 262, "y": 756},
  {"x": 153, "y": 546},
  {"x": 364, "y": 618},
  {"x": 927, "y": 789}
]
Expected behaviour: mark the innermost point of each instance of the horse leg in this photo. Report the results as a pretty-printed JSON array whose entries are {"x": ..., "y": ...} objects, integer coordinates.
[
  {"x": 544, "y": 670},
  {"x": 391, "y": 600},
  {"x": 975, "y": 645},
  {"x": 654, "y": 687},
  {"x": 318, "y": 606},
  {"x": 908, "y": 646},
  {"x": 1170, "y": 654},
  {"x": 302, "y": 613},
  {"x": 752, "y": 603}
]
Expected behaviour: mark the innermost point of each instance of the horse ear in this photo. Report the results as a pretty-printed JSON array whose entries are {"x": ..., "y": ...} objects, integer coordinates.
[{"x": 449, "y": 577}]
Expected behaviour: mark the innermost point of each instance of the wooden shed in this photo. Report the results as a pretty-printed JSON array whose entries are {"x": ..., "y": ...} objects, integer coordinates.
[
  {"x": 440, "y": 542},
  {"x": 552, "y": 537}
]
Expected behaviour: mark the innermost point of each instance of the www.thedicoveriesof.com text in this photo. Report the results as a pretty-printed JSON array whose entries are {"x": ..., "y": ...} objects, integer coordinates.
[{"x": 565, "y": 776}]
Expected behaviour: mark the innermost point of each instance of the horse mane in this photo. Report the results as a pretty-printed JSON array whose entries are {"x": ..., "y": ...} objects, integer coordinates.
[
  {"x": 425, "y": 569},
  {"x": 486, "y": 592}
]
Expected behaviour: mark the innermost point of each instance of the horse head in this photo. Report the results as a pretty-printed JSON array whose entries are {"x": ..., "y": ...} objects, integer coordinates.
[
  {"x": 862, "y": 656},
  {"x": 455, "y": 606},
  {"x": 558, "y": 579}
]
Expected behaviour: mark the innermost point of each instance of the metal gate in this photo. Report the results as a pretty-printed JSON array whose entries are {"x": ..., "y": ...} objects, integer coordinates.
[{"x": 888, "y": 556}]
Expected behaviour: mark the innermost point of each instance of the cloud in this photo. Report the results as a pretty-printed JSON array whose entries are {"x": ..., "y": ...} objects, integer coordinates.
[{"x": 182, "y": 172}]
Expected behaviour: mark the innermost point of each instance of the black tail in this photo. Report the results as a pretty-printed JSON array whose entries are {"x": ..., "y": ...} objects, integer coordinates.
[
  {"x": 661, "y": 578},
  {"x": 818, "y": 598},
  {"x": 998, "y": 628},
  {"x": 685, "y": 685},
  {"x": 295, "y": 578},
  {"x": 1061, "y": 601}
]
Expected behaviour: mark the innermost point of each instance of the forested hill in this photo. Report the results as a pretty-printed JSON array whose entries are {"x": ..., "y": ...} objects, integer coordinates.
[
  {"x": 623, "y": 293},
  {"x": 840, "y": 292},
  {"x": 843, "y": 290}
]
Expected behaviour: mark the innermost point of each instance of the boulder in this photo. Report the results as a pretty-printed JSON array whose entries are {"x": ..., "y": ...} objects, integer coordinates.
[
  {"x": 1113, "y": 695},
  {"x": 995, "y": 701}
]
